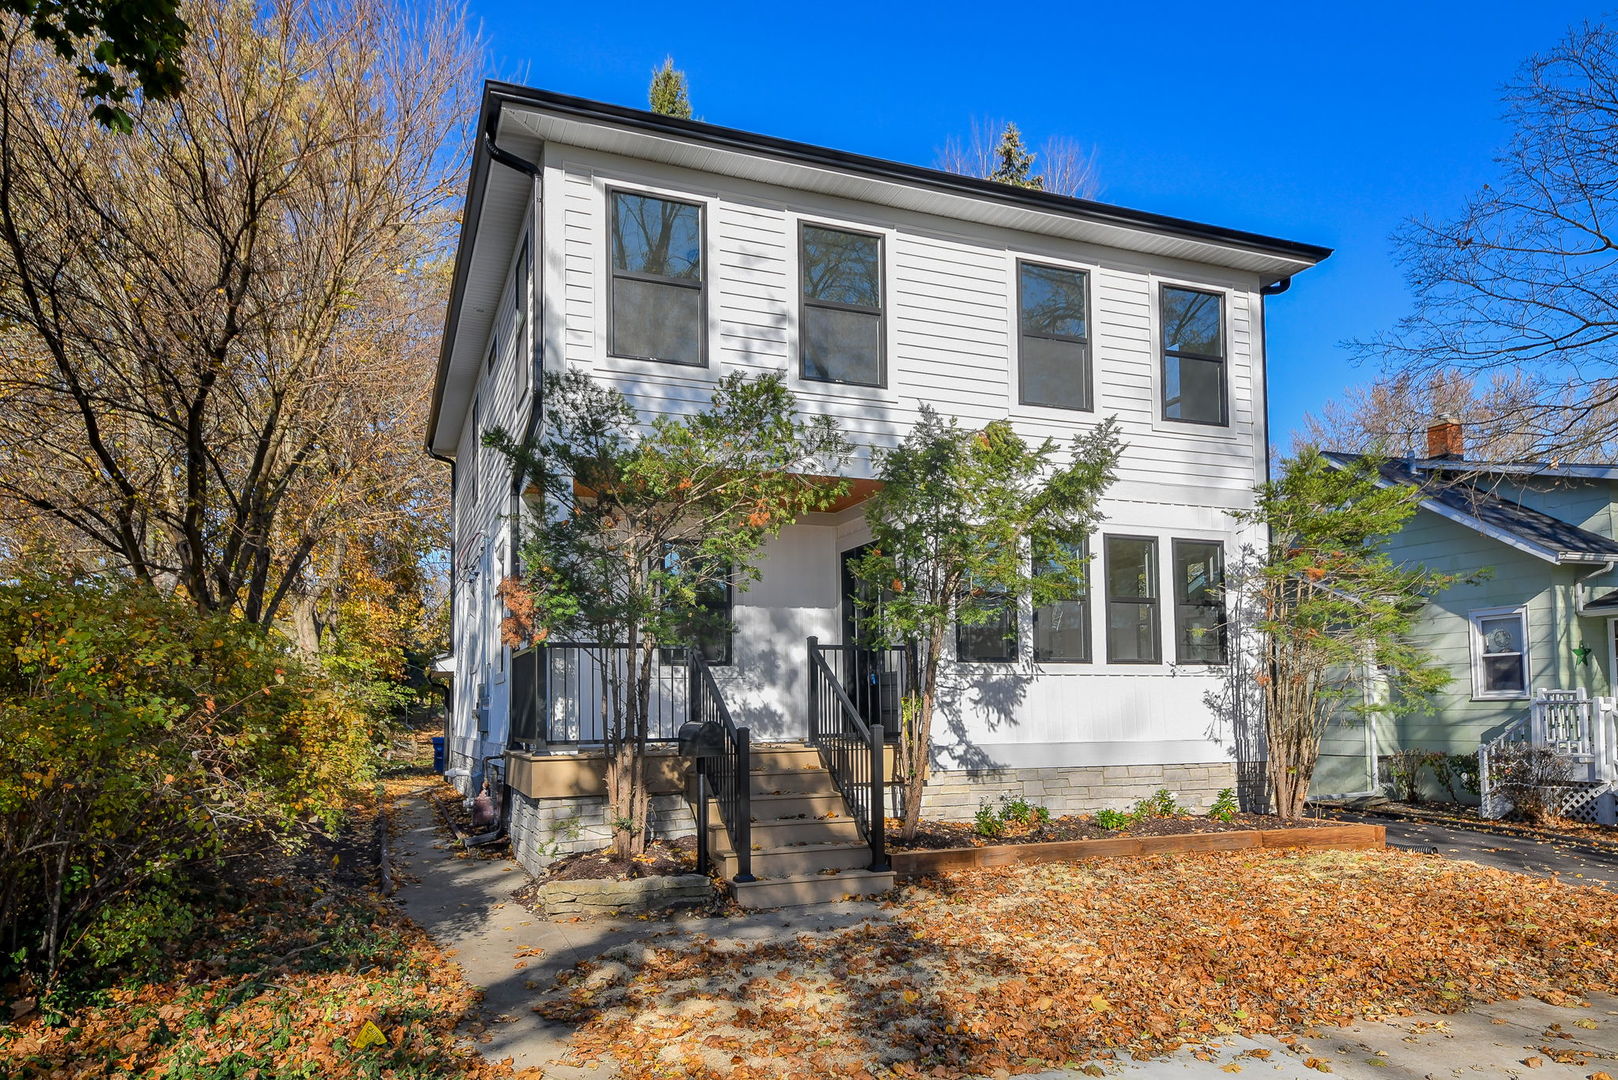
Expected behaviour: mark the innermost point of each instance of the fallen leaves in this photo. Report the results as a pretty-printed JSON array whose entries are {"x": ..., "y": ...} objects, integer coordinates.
[
  {"x": 1022, "y": 969},
  {"x": 347, "y": 988}
]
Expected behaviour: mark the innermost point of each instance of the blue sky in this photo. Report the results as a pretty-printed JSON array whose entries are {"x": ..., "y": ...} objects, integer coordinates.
[{"x": 1323, "y": 123}]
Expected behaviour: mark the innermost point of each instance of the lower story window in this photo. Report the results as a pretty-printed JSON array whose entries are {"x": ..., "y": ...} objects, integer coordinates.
[
  {"x": 1132, "y": 616},
  {"x": 1199, "y": 602},
  {"x": 711, "y": 623},
  {"x": 990, "y": 642},
  {"x": 1500, "y": 653}
]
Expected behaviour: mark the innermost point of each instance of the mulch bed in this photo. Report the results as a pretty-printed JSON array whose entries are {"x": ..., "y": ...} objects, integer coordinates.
[
  {"x": 662, "y": 857},
  {"x": 937, "y": 835}
]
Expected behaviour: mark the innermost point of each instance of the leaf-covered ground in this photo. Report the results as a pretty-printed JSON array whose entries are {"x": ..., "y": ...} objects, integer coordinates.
[
  {"x": 1019, "y": 969},
  {"x": 291, "y": 966}
]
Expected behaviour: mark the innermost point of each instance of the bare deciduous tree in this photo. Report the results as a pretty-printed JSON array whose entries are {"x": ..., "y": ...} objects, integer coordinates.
[
  {"x": 1391, "y": 415},
  {"x": 221, "y": 320},
  {"x": 1060, "y": 165},
  {"x": 1519, "y": 284}
]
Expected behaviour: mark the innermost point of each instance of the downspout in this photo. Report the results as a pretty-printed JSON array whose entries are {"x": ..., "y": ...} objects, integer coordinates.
[
  {"x": 1274, "y": 288},
  {"x": 1581, "y": 589},
  {"x": 532, "y": 171}
]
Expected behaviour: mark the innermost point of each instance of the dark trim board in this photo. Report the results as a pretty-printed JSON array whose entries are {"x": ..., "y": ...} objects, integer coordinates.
[{"x": 882, "y": 169}]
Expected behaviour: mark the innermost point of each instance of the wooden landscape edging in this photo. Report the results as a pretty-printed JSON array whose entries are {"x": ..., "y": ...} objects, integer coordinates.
[{"x": 914, "y": 864}]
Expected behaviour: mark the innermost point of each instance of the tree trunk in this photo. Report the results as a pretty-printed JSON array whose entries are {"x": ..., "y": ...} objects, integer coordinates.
[{"x": 916, "y": 747}]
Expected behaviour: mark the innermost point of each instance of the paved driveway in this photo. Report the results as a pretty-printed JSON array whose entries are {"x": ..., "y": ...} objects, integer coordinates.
[{"x": 1575, "y": 864}]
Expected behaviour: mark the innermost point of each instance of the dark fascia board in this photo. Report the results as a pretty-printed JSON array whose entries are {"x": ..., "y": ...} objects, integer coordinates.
[
  {"x": 748, "y": 142},
  {"x": 475, "y": 184}
]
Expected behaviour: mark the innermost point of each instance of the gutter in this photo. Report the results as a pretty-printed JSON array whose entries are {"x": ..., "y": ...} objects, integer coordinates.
[{"x": 748, "y": 142}]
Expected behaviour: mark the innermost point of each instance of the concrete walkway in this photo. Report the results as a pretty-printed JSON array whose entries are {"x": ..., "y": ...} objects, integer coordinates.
[
  {"x": 465, "y": 903},
  {"x": 1572, "y": 863},
  {"x": 515, "y": 955}
]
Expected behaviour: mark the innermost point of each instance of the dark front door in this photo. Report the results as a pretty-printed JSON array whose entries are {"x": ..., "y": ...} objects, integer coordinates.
[{"x": 869, "y": 675}]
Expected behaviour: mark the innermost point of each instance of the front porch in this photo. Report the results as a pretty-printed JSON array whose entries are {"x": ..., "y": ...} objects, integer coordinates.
[{"x": 1581, "y": 732}]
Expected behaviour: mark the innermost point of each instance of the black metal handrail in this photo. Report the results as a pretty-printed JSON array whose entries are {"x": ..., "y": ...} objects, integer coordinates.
[
  {"x": 561, "y": 692},
  {"x": 853, "y": 751},
  {"x": 729, "y": 774}
]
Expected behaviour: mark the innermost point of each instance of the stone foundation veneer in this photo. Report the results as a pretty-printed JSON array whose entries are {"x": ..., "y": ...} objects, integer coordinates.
[
  {"x": 543, "y": 830},
  {"x": 956, "y": 795},
  {"x": 605, "y": 897}
]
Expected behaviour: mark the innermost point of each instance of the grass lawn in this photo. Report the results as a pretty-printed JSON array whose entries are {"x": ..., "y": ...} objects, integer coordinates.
[
  {"x": 290, "y": 967},
  {"x": 1019, "y": 969}
]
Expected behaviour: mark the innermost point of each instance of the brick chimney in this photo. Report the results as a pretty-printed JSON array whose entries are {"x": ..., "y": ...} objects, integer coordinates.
[{"x": 1444, "y": 440}]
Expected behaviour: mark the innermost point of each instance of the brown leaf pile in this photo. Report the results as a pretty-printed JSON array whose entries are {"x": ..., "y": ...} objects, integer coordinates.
[
  {"x": 1020, "y": 969},
  {"x": 280, "y": 987}
]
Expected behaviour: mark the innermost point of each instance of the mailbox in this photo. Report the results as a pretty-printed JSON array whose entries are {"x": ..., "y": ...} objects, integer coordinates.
[{"x": 702, "y": 739}]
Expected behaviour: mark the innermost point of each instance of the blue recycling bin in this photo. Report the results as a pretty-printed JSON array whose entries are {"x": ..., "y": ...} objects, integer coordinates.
[{"x": 438, "y": 753}]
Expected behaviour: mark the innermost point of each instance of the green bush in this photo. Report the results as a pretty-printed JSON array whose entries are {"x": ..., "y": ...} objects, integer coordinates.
[
  {"x": 1159, "y": 805},
  {"x": 1114, "y": 819},
  {"x": 986, "y": 823},
  {"x": 142, "y": 739},
  {"x": 1224, "y": 806}
]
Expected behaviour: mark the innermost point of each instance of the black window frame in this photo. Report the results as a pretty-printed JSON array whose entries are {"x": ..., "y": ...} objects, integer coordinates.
[
  {"x": 1165, "y": 353},
  {"x": 1154, "y": 602},
  {"x": 1011, "y": 643},
  {"x": 614, "y": 274},
  {"x": 1089, "y": 405},
  {"x": 881, "y": 311},
  {"x": 675, "y": 655},
  {"x": 1082, "y": 598},
  {"x": 1181, "y": 601}
]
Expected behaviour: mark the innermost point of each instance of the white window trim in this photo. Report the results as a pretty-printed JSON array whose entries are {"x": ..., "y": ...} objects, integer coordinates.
[{"x": 1475, "y": 633}]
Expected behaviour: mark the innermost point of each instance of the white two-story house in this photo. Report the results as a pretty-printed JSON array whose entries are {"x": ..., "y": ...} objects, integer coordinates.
[{"x": 658, "y": 254}]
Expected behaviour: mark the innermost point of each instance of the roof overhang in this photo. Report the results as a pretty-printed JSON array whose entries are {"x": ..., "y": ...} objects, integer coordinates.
[
  {"x": 1556, "y": 556},
  {"x": 519, "y": 116}
]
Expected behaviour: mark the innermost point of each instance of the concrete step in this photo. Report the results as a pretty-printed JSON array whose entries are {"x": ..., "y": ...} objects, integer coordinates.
[
  {"x": 797, "y": 859},
  {"x": 793, "y": 804},
  {"x": 792, "y": 782},
  {"x": 802, "y": 889},
  {"x": 770, "y": 757},
  {"x": 793, "y": 832}
]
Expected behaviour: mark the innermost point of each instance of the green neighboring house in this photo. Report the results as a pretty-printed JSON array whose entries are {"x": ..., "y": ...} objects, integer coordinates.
[{"x": 1531, "y": 647}]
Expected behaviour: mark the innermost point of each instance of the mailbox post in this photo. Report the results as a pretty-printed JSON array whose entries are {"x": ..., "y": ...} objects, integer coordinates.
[{"x": 700, "y": 740}]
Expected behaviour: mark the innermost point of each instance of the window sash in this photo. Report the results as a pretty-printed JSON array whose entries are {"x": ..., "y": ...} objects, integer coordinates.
[
  {"x": 1484, "y": 672},
  {"x": 980, "y": 644},
  {"x": 1170, "y": 354},
  {"x": 699, "y": 331},
  {"x": 1075, "y": 603},
  {"x": 809, "y": 303},
  {"x": 717, "y": 638},
  {"x": 1185, "y": 608},
  {"x": 1149, "y": 603}
]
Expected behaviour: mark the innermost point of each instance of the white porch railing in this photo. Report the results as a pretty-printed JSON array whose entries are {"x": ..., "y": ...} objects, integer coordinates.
[{"x": 1579, "y": 728}]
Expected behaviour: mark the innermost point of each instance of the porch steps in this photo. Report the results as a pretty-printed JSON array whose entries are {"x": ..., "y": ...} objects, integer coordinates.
[{"x": 806, "y": 849}]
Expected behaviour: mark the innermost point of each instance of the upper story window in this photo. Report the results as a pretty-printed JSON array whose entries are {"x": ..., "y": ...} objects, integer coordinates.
[
  {"x": 840, "y": 331},
  {"x": 1500, "y": 653},
  {"x": 1132, "y": 615},
  {"x": 1053, "y": 351},
  {"x": 656, "y": 279},
  {"x": 1199, "y": 602},
  {"x": 1192, "y": 323}
]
